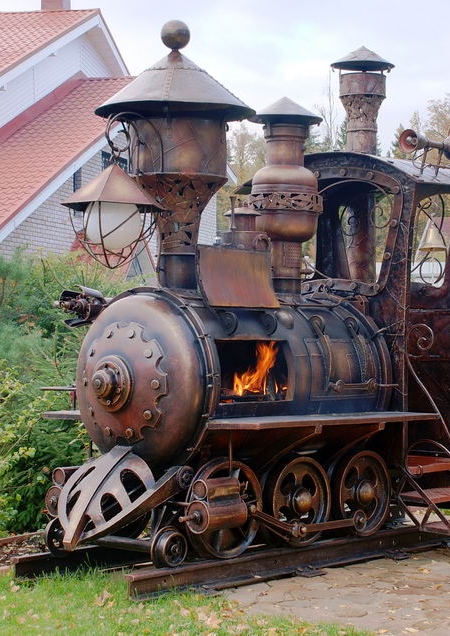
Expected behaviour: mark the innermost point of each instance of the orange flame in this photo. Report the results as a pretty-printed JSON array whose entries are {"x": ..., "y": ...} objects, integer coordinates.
[{"x": 255, "y": 380}]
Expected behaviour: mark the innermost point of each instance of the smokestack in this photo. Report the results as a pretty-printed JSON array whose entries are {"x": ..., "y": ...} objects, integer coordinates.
[
  {"x": 55, "y": 5},
  {"x": 361, "y": 93}
]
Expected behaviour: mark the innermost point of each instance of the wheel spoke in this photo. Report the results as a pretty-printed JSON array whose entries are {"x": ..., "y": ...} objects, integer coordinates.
[
  {"x": 362, "y": 483},
  {"x": 227, "y": 542},
  {"x": 297, "y": 491}
]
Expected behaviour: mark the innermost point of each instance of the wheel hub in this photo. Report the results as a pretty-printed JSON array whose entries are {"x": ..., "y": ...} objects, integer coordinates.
[
  {"x": 301, "y": 501},
  {"x": 365, "y": 493}
]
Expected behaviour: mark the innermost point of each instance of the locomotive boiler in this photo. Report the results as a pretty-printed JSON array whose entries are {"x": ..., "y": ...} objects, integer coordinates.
[{"x": 258, "y": 393}]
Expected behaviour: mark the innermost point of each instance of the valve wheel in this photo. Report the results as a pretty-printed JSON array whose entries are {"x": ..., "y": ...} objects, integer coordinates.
[
  {"x": 169, "y": 548},
  {"x": 226, "y": 543},
  {"x": 300, "y": 492},
  {"x": 361, "y": 483}
]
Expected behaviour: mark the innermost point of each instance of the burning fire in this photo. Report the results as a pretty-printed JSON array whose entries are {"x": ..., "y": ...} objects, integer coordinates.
[{"x": 255, "y": 380}]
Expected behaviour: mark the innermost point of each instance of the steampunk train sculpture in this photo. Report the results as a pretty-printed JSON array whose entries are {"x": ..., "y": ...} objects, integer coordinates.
[{"x": 288, "y": 383}]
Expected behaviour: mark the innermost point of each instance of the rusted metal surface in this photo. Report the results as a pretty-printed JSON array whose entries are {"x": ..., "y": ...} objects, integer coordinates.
[
  {"x": 362, "y": 91},
  {"x": 258, "y": 566},
  {"x": 254, "y": 290},
  {"x": 264, "y": 392}
]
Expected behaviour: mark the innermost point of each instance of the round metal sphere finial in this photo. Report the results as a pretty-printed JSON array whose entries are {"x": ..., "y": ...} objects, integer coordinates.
[{"x": 175, "y": 34}]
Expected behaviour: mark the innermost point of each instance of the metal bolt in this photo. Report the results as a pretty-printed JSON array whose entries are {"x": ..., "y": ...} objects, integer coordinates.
[
  {"x": 108, "y": 431},
  {"x": 131, "y": 333},
  {"x": 155, "y": 384},
  {"x": 129, "y": 432},
  {"x": 148, "y": 353},
  {"x": 147, "y": 414}
]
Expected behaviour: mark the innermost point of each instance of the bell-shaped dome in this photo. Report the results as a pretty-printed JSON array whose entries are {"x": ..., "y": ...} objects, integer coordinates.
[{"x": 175, "y": 85}]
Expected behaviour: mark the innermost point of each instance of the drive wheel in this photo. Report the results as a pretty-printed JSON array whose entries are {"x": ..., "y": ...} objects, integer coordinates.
[
  {"x": 361, "y": 483},
  {"x": 226, "y": 543},
  {"x": 300, "y": 492}
]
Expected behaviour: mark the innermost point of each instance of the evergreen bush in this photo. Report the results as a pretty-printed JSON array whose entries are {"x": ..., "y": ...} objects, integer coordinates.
[{"x": 37, "y": 349}]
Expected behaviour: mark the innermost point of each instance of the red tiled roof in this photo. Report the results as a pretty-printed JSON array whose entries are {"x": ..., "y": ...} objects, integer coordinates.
[
  {"x": 24, "y": 33},
  {"x": 37, "y": 151}
]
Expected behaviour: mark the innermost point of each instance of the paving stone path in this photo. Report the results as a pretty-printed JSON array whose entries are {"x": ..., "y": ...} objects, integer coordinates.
[{"x": 383, "y": 596}]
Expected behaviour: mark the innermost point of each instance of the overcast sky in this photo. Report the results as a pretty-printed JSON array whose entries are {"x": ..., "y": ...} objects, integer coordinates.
[{"x": 262, "y": 50}]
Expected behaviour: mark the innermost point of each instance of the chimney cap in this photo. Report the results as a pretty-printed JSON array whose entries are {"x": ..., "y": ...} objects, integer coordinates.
[
  {"x": 175, "y": 85},
  {"x": 286, "y": 110},
  {"x": 363, "y": 60}
]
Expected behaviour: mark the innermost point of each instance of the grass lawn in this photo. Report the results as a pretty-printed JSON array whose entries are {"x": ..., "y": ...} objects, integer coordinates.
[{"x": 95, "y": 603}]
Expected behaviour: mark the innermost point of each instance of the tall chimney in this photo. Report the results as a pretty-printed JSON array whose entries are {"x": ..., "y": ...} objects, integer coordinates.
[
  {"x": 55, "y": 5},
  {"x": 361, "y": 93}
]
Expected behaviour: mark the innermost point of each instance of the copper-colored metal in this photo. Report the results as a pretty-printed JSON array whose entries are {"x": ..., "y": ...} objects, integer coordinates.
[
  {"x": 217, "y": 533},
  {"x": 285, "y": 192},
  {"x": 299, "y": 492},
  {"x": 362, "y": 92},
  {"x": 361, "y": 482},
  {"x": 253, "y": 290},
  {"x": 345, "y": 423},
  {"x": 177, "y": 117}
]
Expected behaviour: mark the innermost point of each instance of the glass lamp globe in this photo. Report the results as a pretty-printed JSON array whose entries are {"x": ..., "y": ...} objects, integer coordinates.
[{"x": 113, "y": 225}]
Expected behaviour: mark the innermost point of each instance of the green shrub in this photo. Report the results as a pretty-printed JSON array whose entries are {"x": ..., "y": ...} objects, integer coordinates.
[{"x": 37, "y": 349}]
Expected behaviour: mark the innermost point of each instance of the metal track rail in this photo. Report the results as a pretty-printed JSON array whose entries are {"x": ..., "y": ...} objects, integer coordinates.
[{"x": 258, "y": 565}]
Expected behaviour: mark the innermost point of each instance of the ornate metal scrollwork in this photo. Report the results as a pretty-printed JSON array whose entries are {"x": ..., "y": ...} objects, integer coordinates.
[{"x": 420, "y": 340}]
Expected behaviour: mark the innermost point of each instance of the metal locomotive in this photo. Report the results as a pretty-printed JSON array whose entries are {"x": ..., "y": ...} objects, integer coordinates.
[{"x": 288, "y": 383}]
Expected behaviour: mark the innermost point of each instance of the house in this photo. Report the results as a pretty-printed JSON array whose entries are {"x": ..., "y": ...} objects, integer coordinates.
[{"x": 56, "y": 66}]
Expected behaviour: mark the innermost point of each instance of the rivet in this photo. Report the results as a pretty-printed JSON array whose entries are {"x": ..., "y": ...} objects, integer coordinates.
[
  {"x": 342, "y": 172},
  {"x": 148, "y": 353},
  {"x": 387, "y": 256},
  {"x": 131, "y": 333},
  {"x": 109, "y": 334},
  {"x": 147, "y": 415},
  {"x": 108, "y": 431},
  {"x": 155, "y": 384},
  {"x": 85, "y": 381},
  {"x": 129, "y": 432},
  {"x": 91, "y": 411},
  {"x": 92, "y": 352}
]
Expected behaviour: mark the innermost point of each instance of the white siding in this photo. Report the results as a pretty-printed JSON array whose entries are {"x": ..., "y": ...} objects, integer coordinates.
[
  {"x": 47, "y": 75},
  {"x": 56, "y": 69},
  {"x": 208, "y": 223},
  {"x": 91, "y": 63},
  {"x": 49, "y": 229},
  {"x": 18, "y": 95}
]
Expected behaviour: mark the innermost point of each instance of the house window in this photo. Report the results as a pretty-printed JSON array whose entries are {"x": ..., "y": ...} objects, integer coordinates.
[
  {"x": 76, "y": 180},
  {"x": 107, "y": 160}
]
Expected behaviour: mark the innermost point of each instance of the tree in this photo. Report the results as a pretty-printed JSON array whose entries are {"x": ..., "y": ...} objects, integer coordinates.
[
  {"x": 327, "y": 111},
  {"x": 395, "y": 147},
  {"x": 438, "y": 120},
  {"x": 246, "y": 155}
]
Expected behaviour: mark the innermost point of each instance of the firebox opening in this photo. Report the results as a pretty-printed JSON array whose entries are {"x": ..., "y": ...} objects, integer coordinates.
[{"x": 252, "y": 370}]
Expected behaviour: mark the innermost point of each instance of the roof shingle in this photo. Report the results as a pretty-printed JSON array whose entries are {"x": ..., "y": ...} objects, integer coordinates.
[
  {"x": 24, "y": 33},
  {"x": 33, "y": 155}
]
